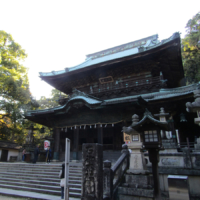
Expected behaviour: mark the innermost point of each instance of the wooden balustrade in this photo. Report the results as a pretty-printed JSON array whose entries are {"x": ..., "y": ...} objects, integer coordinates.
[{"x": 121, "y": 84}]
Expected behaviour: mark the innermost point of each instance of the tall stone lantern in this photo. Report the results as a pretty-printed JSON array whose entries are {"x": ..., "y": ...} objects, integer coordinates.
[{"x": 149, "y": 129}]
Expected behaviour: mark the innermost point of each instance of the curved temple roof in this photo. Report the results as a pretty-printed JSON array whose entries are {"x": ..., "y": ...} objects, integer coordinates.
[
  {"x": 89, "y": 100},
  {"x": 121, "y": 51}
]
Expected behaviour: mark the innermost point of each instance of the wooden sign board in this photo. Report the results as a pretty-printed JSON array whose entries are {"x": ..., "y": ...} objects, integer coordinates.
[{"x": 127, "y": 138}]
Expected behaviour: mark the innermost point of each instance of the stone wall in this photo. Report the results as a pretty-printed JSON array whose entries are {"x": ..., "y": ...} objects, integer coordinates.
[{"x": 176, "y": 159}]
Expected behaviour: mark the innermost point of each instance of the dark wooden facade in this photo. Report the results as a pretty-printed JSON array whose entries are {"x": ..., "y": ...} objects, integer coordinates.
[{"x": 105, "y": 92}]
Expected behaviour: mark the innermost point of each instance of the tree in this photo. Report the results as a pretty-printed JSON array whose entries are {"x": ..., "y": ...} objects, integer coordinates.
[
  {"x": 191, "y": 50},
  {"x": 15, "y": 96},
  {"x": 53, "y": 101}
]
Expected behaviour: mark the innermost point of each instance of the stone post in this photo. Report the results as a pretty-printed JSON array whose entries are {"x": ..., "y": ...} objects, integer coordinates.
[
  {"x": 107, "y": 180},
  {"x": 92, "y": 181},
  {"x": 76, "y": 143},
  {"x": 56, "y": 144}
]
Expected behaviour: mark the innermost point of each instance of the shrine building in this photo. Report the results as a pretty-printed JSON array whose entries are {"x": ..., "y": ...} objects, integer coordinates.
[{"x": 112, "y": 85}]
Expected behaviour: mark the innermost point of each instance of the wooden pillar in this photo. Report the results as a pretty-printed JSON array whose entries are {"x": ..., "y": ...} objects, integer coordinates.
[
  {"x": 76, "y": 143},
  {"x": 100, "y": 134},
  {"x": 56, "y": 144}
]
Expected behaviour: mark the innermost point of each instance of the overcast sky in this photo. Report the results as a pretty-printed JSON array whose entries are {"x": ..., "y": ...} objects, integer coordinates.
[{"x": 60, "y": 33}]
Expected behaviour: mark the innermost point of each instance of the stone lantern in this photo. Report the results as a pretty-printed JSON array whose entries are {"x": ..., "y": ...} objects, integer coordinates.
[
  {"x": 137, "y": 161},
  {"x": 150, "y": 128}
]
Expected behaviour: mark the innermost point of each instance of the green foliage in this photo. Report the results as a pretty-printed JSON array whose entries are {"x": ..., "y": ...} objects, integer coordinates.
[
  {"x": 53, "y": 101},
  {"x": 15, "y": 96},
  {"x": 46, "y": 103},
  {"x": 191, "y": 50}
]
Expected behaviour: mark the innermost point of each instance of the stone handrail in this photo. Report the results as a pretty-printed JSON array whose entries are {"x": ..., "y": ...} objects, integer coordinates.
[{"x": 112, "y": 176}]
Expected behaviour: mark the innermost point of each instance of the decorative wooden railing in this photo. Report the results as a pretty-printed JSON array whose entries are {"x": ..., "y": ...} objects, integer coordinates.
[
  {"x": 112, "y": 176},
  {"x": 121, "y": 84}
]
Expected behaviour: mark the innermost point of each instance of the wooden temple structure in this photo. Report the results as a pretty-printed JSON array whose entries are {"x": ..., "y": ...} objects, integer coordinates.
[{"x": 112, "y": 85}]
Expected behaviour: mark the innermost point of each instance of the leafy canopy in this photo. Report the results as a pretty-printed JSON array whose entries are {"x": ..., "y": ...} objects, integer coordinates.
[
  {"x": 15, "y": 96},
  {"x": 191, "y": 50}
]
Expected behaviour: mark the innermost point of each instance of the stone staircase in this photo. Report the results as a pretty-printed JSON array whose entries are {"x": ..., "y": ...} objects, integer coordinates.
[{"x": 40, "y": 178}]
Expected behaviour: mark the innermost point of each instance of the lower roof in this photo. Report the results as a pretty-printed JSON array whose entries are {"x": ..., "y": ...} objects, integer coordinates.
[{"x": 94, "y": 103}]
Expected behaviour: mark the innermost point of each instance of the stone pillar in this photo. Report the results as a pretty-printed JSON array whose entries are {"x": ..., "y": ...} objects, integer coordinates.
[
  {"x": 100, "y": 134},
  {"x": 107, "y": 176},
  {"x": 92, "y": 181},
  {"x": 76, "y": 144},
  {"x": 56, "y": 144},
  {"x": 137, "y": 161}
]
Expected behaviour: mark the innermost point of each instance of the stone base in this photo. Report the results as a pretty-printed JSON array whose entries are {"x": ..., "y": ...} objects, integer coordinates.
[
  {"x": 135, "y": 193},
  {"x": 138, "y": 186}
]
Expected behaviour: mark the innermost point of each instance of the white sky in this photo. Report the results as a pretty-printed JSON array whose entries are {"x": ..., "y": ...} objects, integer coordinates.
[{"x": 60, "y": 33}]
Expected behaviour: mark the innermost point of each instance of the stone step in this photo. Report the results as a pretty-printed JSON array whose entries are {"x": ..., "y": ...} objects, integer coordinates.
[
  {"x": 47, "y": 178},
  {"x": 39, "y": 178},
  {"x": 36, "y": 182},
  {"x": 72, "y": 192},
  {"x": 51, "y": 180},
  {"x": 43, "y": 172},
  {"x": 26, "y": 170},
  {"x": 36, "y": 186},
  {"x": 55, "y": 176},
  {"x": 30, "y": 195}
]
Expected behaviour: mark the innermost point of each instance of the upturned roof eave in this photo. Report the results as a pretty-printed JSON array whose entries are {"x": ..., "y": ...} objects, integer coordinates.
[
  {"x": 152, "y": 49},
  {"x": 148, "y": 118}
]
